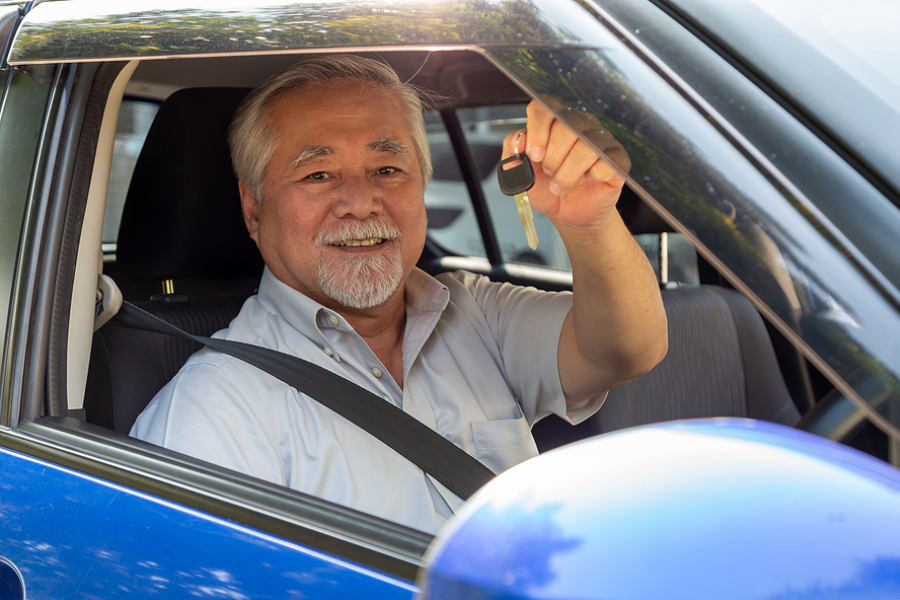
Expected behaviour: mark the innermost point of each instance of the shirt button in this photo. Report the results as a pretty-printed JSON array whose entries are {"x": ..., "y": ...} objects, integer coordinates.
[
  {"x": 377, "y": 372},
  {"x": 333, "y": 320}
]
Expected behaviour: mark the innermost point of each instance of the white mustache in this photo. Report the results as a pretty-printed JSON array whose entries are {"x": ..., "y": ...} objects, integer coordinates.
[{"x": 357, "y": 230}]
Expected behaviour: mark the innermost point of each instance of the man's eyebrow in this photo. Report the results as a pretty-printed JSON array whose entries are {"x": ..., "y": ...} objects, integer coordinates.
[
  {"x": 386, "y": 145},
  {"x": 311, "y": 153},
  {"x": 389, "y": 146}
]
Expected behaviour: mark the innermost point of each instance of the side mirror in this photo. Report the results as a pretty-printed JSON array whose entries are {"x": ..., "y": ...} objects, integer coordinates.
[{"x": 709, "y": 509}]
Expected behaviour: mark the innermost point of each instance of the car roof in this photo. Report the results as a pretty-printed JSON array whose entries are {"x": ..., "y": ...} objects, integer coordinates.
[
  {"x": 76, "y": 31},
  {"x": 444, "y": 43}
]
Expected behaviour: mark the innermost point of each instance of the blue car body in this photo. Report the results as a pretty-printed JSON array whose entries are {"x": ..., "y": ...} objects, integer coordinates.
[{"x": 75, "y": 535}]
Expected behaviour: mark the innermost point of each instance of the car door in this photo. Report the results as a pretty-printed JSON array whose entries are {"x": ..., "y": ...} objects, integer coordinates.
[
  {"x": 71, "y": 523},
  {"x": 75, "y": 519}
]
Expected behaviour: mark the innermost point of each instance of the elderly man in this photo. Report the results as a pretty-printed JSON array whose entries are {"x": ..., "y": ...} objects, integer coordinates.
[{"x": 333, "y": 160}]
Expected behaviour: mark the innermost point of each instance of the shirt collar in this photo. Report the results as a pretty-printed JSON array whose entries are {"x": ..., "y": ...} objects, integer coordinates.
[
  {"x": 425, "y": 293},
  {"x": 300, "y": 311}
]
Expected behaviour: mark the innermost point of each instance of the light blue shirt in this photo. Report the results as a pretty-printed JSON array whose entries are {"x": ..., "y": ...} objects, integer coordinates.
[{"x": 479, "y": 367}]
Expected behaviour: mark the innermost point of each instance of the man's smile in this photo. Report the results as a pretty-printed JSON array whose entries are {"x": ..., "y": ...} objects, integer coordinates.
[
  {"x": 371, "y": 233},
  {"x": 368, "y": 242}
]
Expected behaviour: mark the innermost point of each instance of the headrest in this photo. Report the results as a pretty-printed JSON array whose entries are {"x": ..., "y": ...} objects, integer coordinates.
[{"x": 182, "y": 215}]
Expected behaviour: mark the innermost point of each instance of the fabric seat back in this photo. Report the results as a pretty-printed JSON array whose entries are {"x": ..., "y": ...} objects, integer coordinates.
[
  {"x": 720, "y": 363},
  {"x": 181, "y": 223}
]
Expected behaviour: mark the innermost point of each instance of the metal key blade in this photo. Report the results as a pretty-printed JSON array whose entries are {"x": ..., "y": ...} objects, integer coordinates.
[
  {"x": 516, "y": 181},
  {"x": 527, "y": 217}
]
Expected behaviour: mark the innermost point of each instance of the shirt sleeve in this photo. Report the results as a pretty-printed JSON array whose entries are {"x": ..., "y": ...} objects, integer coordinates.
[
  {"x": 207, "y": 411},
  {"x": 526, "y": 324}
]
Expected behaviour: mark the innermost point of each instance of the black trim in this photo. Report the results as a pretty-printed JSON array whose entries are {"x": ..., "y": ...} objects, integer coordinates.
[
  {"x": 75, "y": 163},
  {"x": 30, "y": 302}
]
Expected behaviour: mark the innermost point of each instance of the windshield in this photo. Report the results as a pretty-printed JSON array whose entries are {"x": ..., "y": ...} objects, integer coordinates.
[
  {"x": 859, "y": 39},
  {"x": 837, "y": 62}
]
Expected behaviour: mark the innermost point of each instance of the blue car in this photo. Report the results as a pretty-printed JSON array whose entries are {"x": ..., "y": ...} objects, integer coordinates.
[{"x": 758, "y": 461}]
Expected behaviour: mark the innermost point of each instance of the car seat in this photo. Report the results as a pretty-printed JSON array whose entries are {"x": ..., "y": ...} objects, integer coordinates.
[
  {"x": 182, "y": 230},
  {"x": 720, "y": 363}
]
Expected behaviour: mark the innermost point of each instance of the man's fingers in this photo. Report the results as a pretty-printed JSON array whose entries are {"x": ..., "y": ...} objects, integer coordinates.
[
  {"x": 557, "y": 151},
  {"x": 559, "y": 148},
  {"x": 517, "y": 138},
  {"x": 573, "y": 170},
  {"x": 540, "y": 120},
  {"x": 619, "y": 157},
  {"x": 581, "y": 161},
  {"x": 602, "y": 172}
]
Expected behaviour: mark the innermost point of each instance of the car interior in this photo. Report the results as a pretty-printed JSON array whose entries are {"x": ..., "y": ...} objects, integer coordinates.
[{"x": 182, "y": 253}]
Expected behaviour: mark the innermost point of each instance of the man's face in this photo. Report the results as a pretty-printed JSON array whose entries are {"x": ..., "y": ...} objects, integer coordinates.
[{"x": 343, "y": 214}]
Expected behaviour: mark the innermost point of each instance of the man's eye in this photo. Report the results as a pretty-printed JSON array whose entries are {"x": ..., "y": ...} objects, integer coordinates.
[
  {"x": 317, "y": 176},
  {"x": 388, "y": 170}
]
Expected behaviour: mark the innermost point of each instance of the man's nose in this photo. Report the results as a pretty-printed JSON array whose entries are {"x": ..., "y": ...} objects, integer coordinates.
[{"x": 358, "y": 197}]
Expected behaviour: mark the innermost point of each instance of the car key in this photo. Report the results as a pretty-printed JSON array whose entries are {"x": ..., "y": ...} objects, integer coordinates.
[{"x": 516, "y": 181}]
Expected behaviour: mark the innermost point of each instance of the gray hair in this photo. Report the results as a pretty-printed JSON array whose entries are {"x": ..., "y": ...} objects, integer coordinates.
[{"x": 252, "y": 140}]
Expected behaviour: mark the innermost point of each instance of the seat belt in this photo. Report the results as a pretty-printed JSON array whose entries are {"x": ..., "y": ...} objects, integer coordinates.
[{"x": 456, "y": 469}]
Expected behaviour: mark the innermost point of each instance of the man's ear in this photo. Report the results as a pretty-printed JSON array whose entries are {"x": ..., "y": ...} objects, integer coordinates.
[{"x": 250, "y": 207}]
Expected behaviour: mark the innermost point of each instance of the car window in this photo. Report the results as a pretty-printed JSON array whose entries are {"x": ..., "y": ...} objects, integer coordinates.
[
  {"x": 135, "y": 118},
  {"x": 683, "y": 168},
  {"x": 672, "y": 256},
  {"x": 451, "y": 218}
]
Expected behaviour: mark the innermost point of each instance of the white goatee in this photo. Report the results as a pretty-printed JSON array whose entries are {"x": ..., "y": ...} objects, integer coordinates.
[{"x": 360, "y": 281}]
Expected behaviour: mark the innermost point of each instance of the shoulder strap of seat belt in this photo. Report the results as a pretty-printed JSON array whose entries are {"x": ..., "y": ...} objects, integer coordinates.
[{"x": 442, "y": 459}]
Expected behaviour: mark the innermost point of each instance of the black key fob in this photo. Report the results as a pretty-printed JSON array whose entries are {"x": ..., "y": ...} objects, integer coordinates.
[{"x": 518, "y": 179}]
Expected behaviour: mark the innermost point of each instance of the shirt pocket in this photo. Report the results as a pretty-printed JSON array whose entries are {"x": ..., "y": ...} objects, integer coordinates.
[{"x": 500, "y": 444}]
